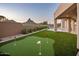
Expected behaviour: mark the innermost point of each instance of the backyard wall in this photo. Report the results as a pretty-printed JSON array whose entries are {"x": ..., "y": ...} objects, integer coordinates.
[{"x": 10, "y": 28}]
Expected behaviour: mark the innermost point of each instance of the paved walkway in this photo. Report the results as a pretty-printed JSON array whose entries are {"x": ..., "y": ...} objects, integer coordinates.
[
  {"x": 17, "y": 36},
  {"x": 52, "y": 29},
  {"x": 10, "y": 38}
]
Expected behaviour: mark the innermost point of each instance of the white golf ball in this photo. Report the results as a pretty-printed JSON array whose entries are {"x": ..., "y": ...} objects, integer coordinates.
[{"x": 38, "y": 42}]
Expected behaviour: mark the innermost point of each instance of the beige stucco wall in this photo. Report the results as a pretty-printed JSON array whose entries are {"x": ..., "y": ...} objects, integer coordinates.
[
  {"x": 62, "y": 7},
  {"x": 9, "y": 29}
]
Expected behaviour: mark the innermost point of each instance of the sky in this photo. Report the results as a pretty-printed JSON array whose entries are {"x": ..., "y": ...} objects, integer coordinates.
[{"x": 21, "y": 12}]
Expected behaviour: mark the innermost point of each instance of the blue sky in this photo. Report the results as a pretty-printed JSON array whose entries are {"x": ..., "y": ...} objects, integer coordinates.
[{"x": 20, "y": 12}]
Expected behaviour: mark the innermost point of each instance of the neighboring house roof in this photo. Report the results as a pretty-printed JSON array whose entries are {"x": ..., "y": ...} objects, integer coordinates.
[
  {"x": 2, "y": 18},
  {"x": 29, "y": 21},
  {"x": 12, "y": 21}
]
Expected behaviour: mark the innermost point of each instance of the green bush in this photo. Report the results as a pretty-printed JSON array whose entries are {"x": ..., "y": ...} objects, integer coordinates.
[
  {"x": 29, "y": 30},
  {"x": 23, "y": 31}
]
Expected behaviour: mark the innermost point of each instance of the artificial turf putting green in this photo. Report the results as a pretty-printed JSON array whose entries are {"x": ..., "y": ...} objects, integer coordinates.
[
  {"x": 29, "y": 47},
  {"x": 65, "y": 44}
]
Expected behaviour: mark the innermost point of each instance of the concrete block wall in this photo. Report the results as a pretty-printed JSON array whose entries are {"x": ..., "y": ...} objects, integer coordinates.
[{"x": 9, "y": 29}]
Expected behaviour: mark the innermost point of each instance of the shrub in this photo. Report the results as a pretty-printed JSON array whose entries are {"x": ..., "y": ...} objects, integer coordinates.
[
  {"x": 23, "y": 31},
  {"x": 29, "y": 30}
]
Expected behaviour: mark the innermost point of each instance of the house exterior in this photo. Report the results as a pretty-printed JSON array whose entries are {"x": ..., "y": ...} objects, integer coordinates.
[{"x": 68, "y": 13}]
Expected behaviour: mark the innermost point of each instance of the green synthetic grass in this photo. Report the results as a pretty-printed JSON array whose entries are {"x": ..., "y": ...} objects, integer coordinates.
[
  {"x": 65, "y": 44},
  {"x": 29, "y": 47}
]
